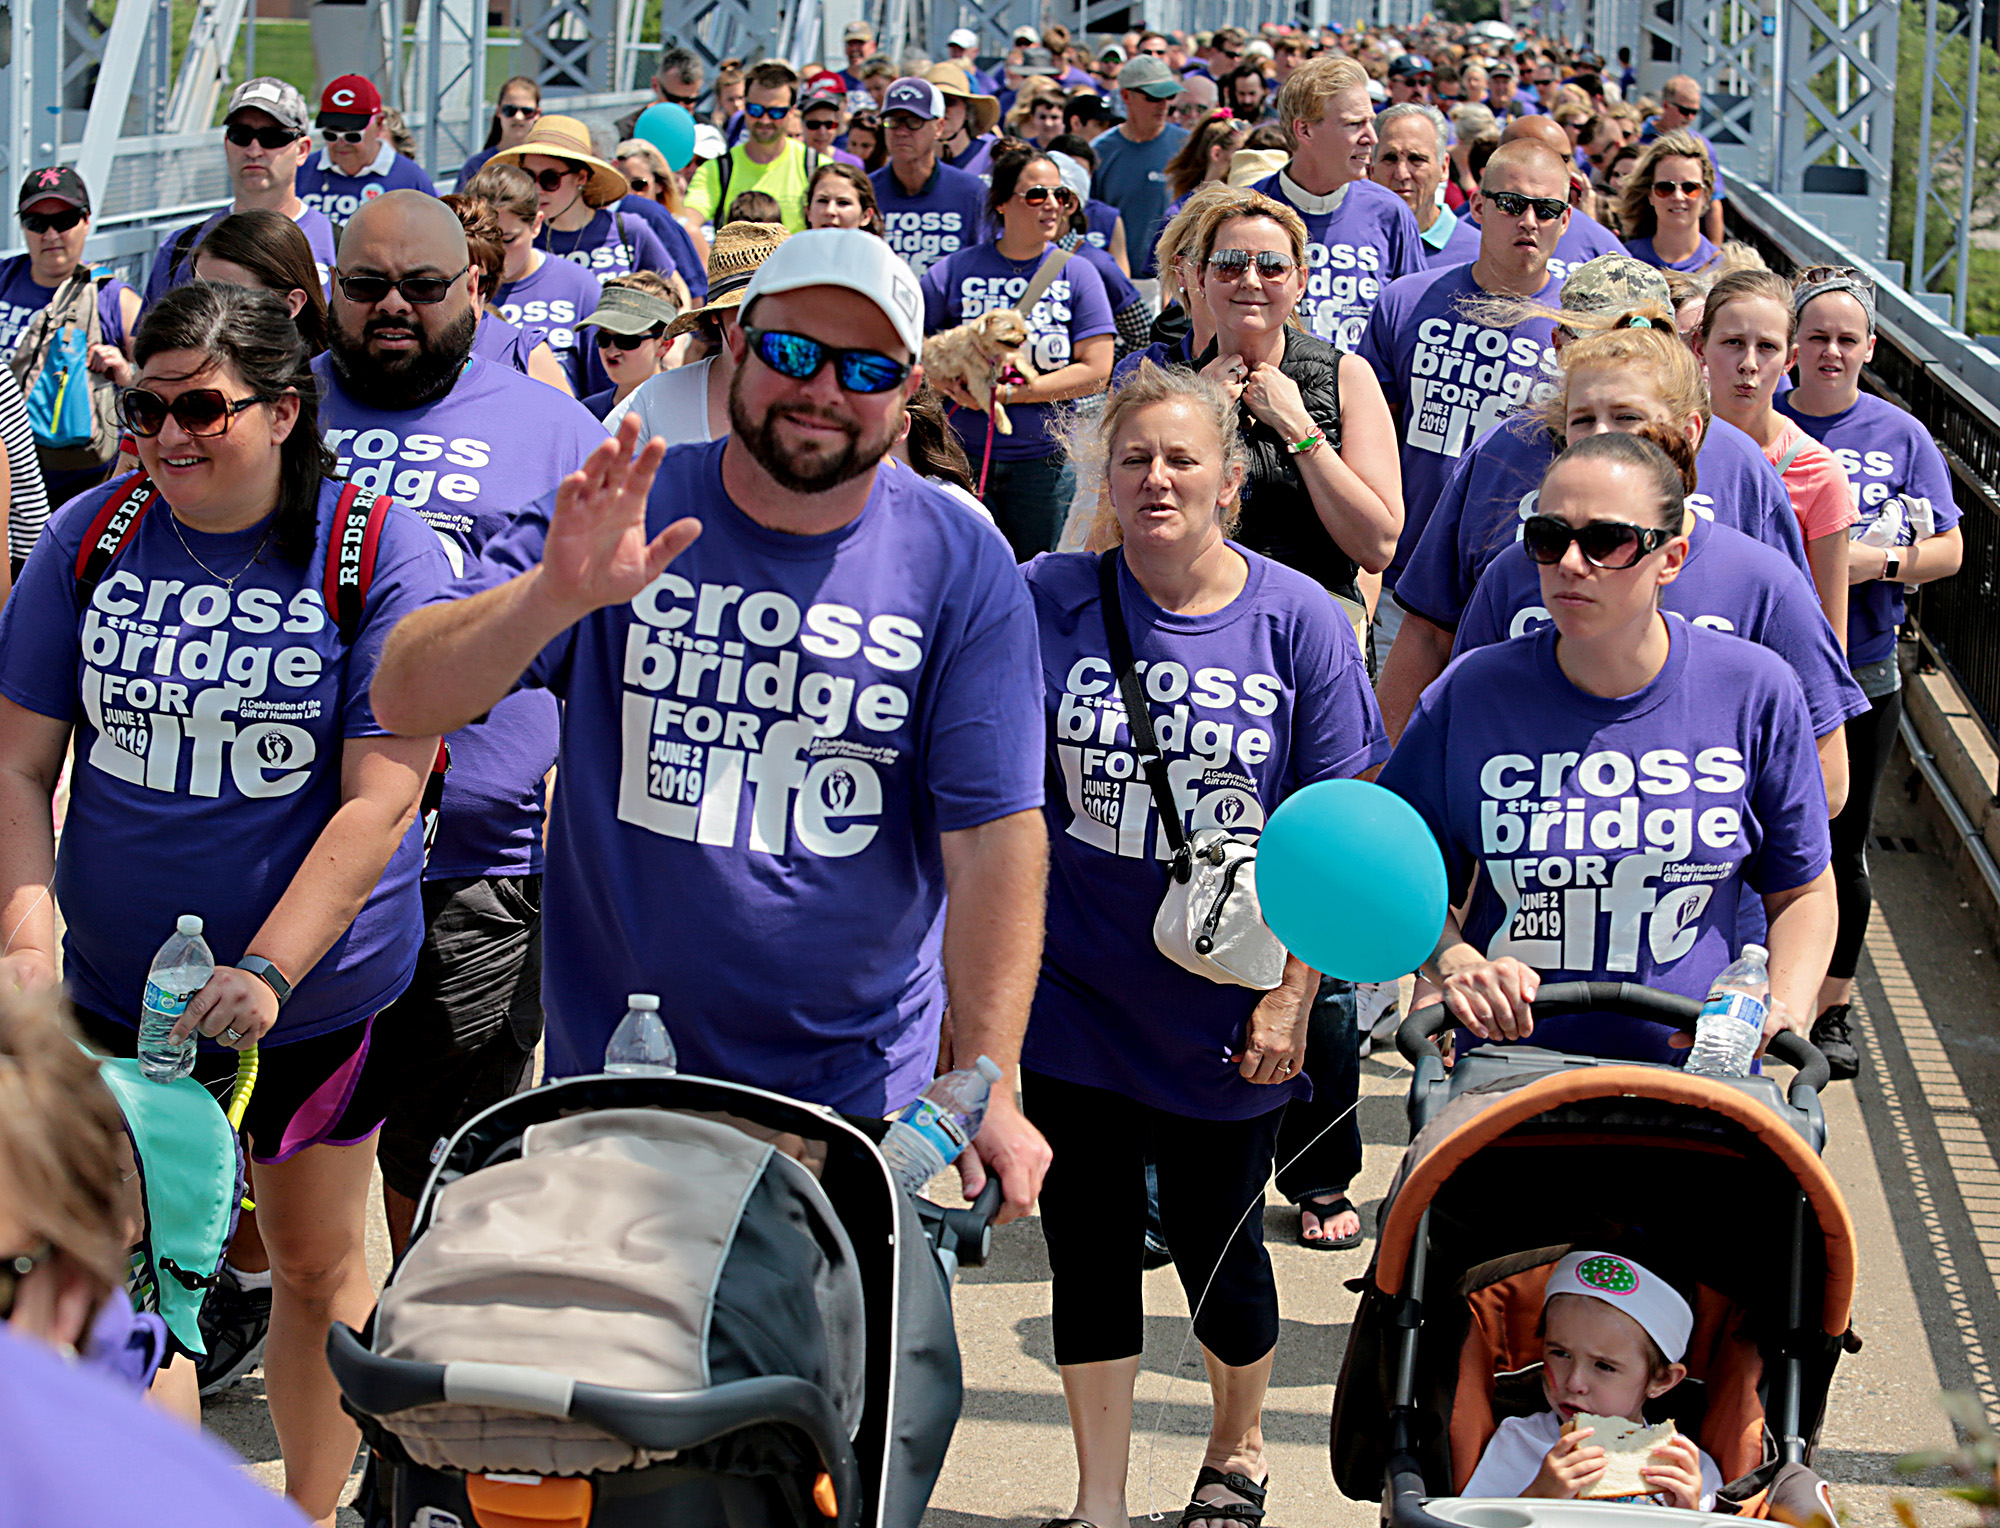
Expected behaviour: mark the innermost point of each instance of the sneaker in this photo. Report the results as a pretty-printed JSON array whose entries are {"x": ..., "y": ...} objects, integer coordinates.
[
  {"x": 234, "y": 1322},
  {"x": 1376, "y": 1011},
  {"x": 1832, "y": 1033}
]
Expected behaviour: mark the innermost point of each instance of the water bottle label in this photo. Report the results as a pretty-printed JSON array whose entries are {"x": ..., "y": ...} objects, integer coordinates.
[
  {"x": 1735, "y": 1005},
  {"x": 937, "y": 1127},
  {"x": 172, "y": 1004}
]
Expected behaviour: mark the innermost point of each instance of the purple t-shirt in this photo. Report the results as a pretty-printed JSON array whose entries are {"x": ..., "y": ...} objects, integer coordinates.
[
  {"x": 1495, "y": 485},
  {"x": 474, "y": 165},
  {"x": 163, "y": 277},
  {"x": 1728, "y": 583},
  {"x": 21, "y": 300},
  {"x": 599, "y": 248},
  {"x": 759, "y": 754},
  {"x": 981, "y": 279},
  {"x": 977, "y": 157},
  {"x": 503, "y": 344},
  {"x": 1448, "y": 379},
  {"x": 1368, "y": 240},
  {"x": 1885, "y": 452},
  {"x": 466, "y": 464},
  {"x": 948, "y": 215},
  {"x": 323, "y": 188},
  {"x": 555, "y": 298},
  {"x": 1119, "y": 291},
  {"x": 1100, "y": 221},
  {"x": 1704, "y": 256},
  {"x": 682, "y": 256},
  {"x": 1250, "y": 703},
  {"x": 1611, "y": 839},
  {"x": 208, "y": 734},
  {"x": 1584, "y": 240}
]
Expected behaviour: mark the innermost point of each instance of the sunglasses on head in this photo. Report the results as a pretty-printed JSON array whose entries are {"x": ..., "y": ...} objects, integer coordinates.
[
  {"x": 1666, "y": 188},
  {"x": 58, "y": 222},
  {"x": 421, "y": 291},
  {"x": 347, "y": 135},
  {"x": 198, "y": 411},
  {"x": 1609, "y": 544},
  {"x": 16, "y": 1268},
  {"x": 243, "y": 135},
  {"x": 1231, "y": 264},
  {"x": 1034, "y": 196},
  {"x": 1512, "y": 204},
  {"x": 606, "y": 340},
  {"x": 800, "y": 357},
  {"x": 775, "y": 113},
  {"x": 551, "y": 180}
]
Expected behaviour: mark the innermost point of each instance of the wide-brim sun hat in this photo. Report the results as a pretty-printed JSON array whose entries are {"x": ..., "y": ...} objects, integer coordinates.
[
  {"x": 739, "y": 249},
  {"x": 982, "y": 112},
  {"x": 1249, "y": 166},
  {"x": 559, "y": 137}
]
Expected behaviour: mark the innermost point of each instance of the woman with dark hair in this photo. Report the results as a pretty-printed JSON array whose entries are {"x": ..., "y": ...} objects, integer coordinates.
[
  {"x": 267, "y": 250},
  {"x": 840, "y": 196},
  {"x": 227, "y": 764},
  {"x": 534, "y": 287},
  {"x": 866, "y": 140},
  {"x": 1027, "y": 480},
  {"x": 1204, "y": 156},
  {"x": 519, "y": 108},
  {"x": 525, "y": 350}
]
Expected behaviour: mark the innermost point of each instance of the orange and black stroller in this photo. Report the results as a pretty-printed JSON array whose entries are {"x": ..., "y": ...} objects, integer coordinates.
[{"x": 1520, "y": 1154}]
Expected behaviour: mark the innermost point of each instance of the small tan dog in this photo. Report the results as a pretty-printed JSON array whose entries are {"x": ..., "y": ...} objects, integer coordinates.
[{"x": 968, "y": 361}]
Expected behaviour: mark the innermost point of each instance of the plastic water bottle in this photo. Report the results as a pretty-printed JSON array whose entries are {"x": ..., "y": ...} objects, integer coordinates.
[
  {"x": 928, "y": 1136},
  {"x": 1732, "y": 1020},
  {"x": 180, "y": 970},
  {"x": 640, "y": 1045}
]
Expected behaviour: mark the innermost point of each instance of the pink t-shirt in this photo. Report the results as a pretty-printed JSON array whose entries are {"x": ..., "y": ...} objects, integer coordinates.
[{"x": 1822, "y": 497}]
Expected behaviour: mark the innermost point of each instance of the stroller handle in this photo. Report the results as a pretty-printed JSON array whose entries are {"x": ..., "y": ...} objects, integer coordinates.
[
  {"x": 1417, "y": 1036},
  {"x": 661, "y": 1420}
]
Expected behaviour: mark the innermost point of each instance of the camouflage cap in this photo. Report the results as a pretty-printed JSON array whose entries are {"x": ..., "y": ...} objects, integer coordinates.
[{"x": 1615, "y": 283}]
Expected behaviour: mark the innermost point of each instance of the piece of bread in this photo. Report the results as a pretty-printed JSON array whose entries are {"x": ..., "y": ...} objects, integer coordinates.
[{"x": 1627, "y": 1446}]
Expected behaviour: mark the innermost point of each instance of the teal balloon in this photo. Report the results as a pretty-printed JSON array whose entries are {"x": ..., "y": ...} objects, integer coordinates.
[
  {"x": 1351, "y": 881},
  {"x": 670, "y": 129}
]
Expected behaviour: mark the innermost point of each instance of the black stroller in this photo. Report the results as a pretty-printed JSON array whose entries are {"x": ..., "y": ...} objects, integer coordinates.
[
  {"x": 649, "y": 1300},
  {"x": 1723, "y": 1174}
]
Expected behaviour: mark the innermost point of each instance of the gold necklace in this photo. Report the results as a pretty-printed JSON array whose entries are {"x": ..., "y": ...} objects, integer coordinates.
[{"x": 228, "y": 584}]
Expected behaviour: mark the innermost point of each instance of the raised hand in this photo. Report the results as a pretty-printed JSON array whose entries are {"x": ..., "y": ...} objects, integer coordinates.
[{"x": 597, "y": 553}]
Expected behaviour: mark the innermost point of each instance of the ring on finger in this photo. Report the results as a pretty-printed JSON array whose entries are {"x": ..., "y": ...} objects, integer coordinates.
[{"x": 231, "y": 1034}]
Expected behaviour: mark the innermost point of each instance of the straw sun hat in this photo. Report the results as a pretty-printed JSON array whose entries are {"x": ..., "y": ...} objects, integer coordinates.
[
  {"x": 557, "y": 137},
  {"x": 733, "y": 258}
]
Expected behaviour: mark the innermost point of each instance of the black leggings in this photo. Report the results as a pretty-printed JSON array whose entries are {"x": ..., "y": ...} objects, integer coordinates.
[
  {"x": 1314, "y": 1160},
  {"x": 1094, "y": 1219},
  {"x": 1870, "y": 739}
]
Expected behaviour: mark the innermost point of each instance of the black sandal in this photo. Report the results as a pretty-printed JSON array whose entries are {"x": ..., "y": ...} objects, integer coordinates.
[
  {"x": 1324, "y": 1207},
  {"x": 1249, "y": 1511}
]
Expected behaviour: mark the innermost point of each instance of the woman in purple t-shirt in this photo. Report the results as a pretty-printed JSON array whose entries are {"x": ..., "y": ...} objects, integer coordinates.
[
  {"x": 1255, "y": 687},
  {"x": 226, "y": 763},
  {"x": 1606, "y": 790},
  {"x": 1663, "y": 203}
]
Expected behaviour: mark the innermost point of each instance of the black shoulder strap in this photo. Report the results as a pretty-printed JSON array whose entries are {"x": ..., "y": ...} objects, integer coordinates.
[
  {"x": 183, "y": 246},
  {"x": 1139, "y": 720},
  {"x": 115, "y": 524},
  {"x": 618, "y": 225},
  {"x": 724, "y": 167}
]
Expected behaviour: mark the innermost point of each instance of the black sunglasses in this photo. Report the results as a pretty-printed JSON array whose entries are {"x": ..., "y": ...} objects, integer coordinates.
[
  {"x": 347, "y": 135},
  {"x": 606, "y": 340},
  {"x": 1232, "y": 264},
  {"x": 512, "y": 112},
  {"x": 242, "y": 134},
  {"x": 16, "y": 1268},
  {"x": 421, "y": 291},
  {"x": 551, "y": 180},
  {"x": 201, "y": 411},
  {"x": 1608, "y": 544},
  {"x": 641, "y": 184},
  {"x": 58, "y": 222},
  {"x": 1666, "y": 188},
  {"x": 688, "y": 102},
  {"x": 800, "y": 357},
  {"x": 1512, "y": 204}
]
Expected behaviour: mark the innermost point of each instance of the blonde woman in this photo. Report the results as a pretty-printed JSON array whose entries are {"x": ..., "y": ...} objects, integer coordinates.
[{"x": 1663, "y": 202}]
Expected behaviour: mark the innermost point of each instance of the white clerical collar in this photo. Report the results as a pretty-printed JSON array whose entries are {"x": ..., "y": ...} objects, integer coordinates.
[
  {"x": 384, "y": 158},
  {"x": 1305, "y": 201}
]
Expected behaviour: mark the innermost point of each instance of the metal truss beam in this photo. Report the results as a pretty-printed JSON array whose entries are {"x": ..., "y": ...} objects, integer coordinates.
[
  {"x": 1935, "y": 133},
  {"x": 1836, "y": 123},
  {"x": 205, "y": 65}
]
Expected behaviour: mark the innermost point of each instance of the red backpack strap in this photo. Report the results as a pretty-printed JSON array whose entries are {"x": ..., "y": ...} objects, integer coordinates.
[
  {"x": 114, "y": 524},
  {"x": 352, "y": 542}
]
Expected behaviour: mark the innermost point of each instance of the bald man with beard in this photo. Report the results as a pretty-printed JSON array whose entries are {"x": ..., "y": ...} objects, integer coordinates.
[
  {"x": 463, "y": 443},
  {"x": 1585, "y": 238}
]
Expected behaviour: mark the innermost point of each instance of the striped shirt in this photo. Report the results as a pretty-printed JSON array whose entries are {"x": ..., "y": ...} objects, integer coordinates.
[{"x": 27, "y": 499}]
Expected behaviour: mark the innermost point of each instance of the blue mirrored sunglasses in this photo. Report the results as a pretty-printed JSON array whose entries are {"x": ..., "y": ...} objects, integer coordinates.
[{"x": 800, "y": 357}]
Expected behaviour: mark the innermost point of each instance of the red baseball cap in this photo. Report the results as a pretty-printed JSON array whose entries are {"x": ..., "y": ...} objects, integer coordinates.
[{"x": 350, "y": 96}]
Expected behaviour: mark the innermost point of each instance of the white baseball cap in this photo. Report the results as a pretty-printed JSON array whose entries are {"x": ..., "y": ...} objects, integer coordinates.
[
  {"x": 964, "y": 37},
  {"x": 1074, "y": 175},
  {"x": 1027, "y": 35},
  {"x": 851, "y": 258}
]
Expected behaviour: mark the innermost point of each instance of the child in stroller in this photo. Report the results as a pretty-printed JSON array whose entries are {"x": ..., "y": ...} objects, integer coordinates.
[{"x": 1613, "y": 1336}]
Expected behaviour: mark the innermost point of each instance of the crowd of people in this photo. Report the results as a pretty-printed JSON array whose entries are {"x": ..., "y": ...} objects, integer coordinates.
[{"x": 579, "y": 584}]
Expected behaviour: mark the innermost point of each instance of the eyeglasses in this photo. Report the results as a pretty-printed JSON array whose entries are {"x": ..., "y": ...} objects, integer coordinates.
[
  {"x": 775, "y": 113},
  {"x": 606, "y": 340},
  {"x": 1231, "y": 264},
  {"x": 53, "y": 222},
  {"x": 1034, "y": 196},
  {"x": 1609, "y": 544},
  {"x": 332, "y": 135},
  {"x": 201, "y": 411},
  {"x": 420, "y": 291},
  {"x": 1666, "y": 188},
  {"x": 551, "y": 180},
  {"x": 800, "y": 357},
  {"x": 16, "y": 1268},
  {"x": 242, "y": 134},
  {"x": 1512, "y": 204},
  {"x": 511, "y": 113}
]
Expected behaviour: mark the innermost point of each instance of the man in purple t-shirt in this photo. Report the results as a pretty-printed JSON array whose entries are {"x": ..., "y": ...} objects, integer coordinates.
[
  {"x": 359, "y": 163},
  {"x": 1359, "y": 236},
  {"x": 929, "y": 210},
  {"x": 802, "y": 772},
  {"x": 463, "y": 443},
  {"x": 1583, "y": 241}
]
